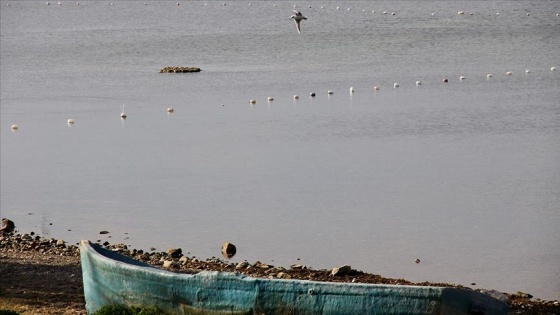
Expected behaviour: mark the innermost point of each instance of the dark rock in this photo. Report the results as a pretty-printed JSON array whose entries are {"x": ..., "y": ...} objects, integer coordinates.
[
  {"x": 7, "y": 226},
  {"x": 175, "y": 252},
  {"x": 228, "y": 250}
]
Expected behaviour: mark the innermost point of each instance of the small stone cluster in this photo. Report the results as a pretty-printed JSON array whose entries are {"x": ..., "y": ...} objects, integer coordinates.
[
  {"x": 31, "y": 242},
  {"x": 179, "y": 69}
]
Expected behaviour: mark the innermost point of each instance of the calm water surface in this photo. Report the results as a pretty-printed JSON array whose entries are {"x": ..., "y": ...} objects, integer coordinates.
[{"x": 464, "y": 176}]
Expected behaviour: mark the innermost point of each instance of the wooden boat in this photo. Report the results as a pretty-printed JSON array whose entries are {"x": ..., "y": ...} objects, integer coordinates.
[{"x": 112, "y": 279}]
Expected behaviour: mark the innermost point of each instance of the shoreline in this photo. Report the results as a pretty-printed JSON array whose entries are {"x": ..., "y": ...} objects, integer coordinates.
[{"x": 43, "y": 276}]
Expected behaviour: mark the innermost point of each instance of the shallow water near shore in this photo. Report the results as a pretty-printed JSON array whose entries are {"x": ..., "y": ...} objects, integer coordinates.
[{"x": 463, "y": 175}]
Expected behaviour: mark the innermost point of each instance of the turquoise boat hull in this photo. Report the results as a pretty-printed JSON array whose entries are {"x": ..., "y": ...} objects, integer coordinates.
[{"x": 110, "y": 279}]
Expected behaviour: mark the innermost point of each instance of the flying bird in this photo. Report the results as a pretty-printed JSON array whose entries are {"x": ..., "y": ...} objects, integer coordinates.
[{"x": 297, "y": 17}]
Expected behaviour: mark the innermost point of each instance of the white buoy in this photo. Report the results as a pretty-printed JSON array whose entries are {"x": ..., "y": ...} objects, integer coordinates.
[
  {"x": 462, "y": 78},
  {"x": 393, "y": 13},
  {"x": 351, "y": 89},
  {"x": 48, "y": 3},
  {"x": 15, "y": 127},
  {"x": 123, "y": 115},
  {"x": 253, "y": 101},
  {"x": 461, "y": 12},
  {"x": 396, "y": 85},
  {"x": 170, "y": 109},
  {"x": 497, "y": 13},
  {"x": 489, "y": 75},
  {"x": 296, "y": 97},
  {"x": 59, "y": 3},
  {"x": 376, "y": 88},
  {"x": 527, "y": 71},
  {"x": 418, "y": 83},
  {"x": 270, "y": 98},
  {"x": 330, "y": 92},
  {"x": 384, "y": 12},
  {"x": 70, "y": 121},
  {"x": 553, "y": 69},
  {"x": 509, "y": 73}
]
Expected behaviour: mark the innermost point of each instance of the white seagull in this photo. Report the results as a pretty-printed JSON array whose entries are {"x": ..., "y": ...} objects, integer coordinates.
[{"x": 297, "y": 17}]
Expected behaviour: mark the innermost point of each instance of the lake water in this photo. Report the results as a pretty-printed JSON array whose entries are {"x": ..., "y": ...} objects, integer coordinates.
[{"x": 463, "y": 175}]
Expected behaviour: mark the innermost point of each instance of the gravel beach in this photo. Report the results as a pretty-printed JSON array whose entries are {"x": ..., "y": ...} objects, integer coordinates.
[{"x": 43, "y": 275}]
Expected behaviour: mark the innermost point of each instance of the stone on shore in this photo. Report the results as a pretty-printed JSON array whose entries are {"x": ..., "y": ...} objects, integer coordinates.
[
  {"x": 175, "y": 252},
  {"x": 7, "y": 226},
  {"x": 341, "y": 271},
  {"x": 242, "y": 265}
]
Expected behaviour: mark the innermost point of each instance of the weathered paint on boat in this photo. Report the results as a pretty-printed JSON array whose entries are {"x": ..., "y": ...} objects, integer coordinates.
[{"x": 110, "y": 278}]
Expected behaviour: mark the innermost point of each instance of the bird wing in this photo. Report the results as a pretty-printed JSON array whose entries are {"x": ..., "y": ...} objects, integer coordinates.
[{"x": 297, "y": 13}]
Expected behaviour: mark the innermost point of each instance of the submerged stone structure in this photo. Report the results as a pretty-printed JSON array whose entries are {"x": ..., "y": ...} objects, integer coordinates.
[{"x": 179, "y": 69}]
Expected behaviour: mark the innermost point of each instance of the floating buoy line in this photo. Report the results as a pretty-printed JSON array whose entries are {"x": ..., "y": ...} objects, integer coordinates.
[
  {"x": 459, "y": 14},
  {"x": 375, "y": 88}
]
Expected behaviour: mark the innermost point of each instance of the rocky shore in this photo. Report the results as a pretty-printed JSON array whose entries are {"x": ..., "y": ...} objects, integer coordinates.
[{"x": 43, "y": 276}]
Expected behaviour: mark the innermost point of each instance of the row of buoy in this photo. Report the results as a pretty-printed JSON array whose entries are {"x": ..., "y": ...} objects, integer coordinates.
[
  {"x": 396, "y": 85},
  {"x": 322, "y": 7},
  {"x": 376, "y": 88}
]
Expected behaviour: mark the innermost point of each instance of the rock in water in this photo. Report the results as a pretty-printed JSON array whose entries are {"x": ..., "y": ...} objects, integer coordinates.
[{"x": 228, "y": 250}]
